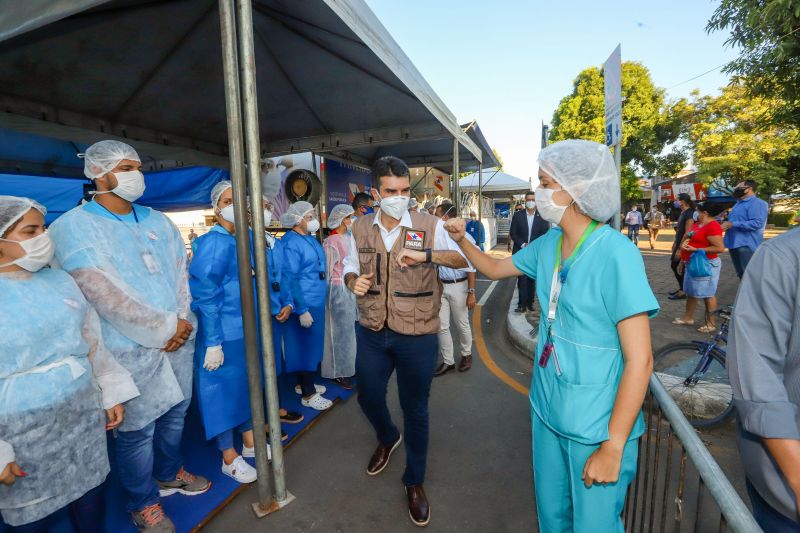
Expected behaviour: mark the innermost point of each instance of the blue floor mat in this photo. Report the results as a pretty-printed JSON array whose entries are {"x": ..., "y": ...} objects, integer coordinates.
[{"x": 202, "y": 457}]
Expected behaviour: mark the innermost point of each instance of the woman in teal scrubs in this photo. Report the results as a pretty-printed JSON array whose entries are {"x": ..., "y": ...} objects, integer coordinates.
[{"x": 594, "y": 354}]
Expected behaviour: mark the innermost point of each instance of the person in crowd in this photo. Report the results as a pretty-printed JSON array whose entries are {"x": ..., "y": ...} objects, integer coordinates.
[
  {"x": 61, "y": 388},
  {"x": 527, "y": 225},
  {"x": 458, "y": 299},
  {"x": 706, "y": 237},
  {"x": 744, "y": 229},
  {"x": 633, "y": 220},
  {"x": 305, "y": 272},
  {"x": 764, "y": 368},
  {"x": 131, "y": 264},
  {"x": 339, "y": 356},
  {"x": 594, "y": 354},
  {"x": 655, "y": 221},
  {"x": 682, "y": 227},
  {"x": 391, "y": 269},
  {"x": 430, "y": 207},
  {"x": 192, "y": 235},
  {"x": 362, "y": 204},
  {"x": 476, "y": 230}
]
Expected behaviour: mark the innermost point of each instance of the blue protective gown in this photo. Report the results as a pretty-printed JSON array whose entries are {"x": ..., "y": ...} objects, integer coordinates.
[
  {"x": 304, "y": 262},
  {"x": 132, "y": 269},
  {"x": 214, "y": 282},
  {"x": 55, "y": 379}
]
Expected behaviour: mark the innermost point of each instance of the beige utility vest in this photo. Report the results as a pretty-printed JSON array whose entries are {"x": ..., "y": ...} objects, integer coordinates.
[{"x": 406, "y": 301}]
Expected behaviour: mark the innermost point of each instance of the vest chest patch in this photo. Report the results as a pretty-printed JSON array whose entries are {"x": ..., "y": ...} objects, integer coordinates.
[{"x": 414, "y": 240}]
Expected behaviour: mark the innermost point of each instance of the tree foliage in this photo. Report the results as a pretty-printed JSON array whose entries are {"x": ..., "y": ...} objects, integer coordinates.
[
  {"x": 768, "y": 35},
  {"x": 499, "y": 159},
  {"x": 731, "y": 139},
  {"x": 650, "y": 123}
]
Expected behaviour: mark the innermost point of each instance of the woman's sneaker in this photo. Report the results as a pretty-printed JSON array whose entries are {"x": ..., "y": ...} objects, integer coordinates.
[
  {"x": 152, "y": 519},
  {"x": 321, "y": 389},
  {"x": 240, "y": 470},
  {"x": 185, "y": 483},
  {"x": 250, "y": 453},
  {"x": 317, "y": 402}
]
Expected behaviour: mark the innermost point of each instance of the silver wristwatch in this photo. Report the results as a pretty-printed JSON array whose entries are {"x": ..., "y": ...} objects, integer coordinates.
[{"x": 470, "y": 291}]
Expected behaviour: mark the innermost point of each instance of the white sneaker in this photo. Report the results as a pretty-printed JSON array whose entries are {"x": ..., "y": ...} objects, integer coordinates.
[
  {"x": 250, "y": 453},
  {"x": 321, "y": 389},
  {"x": 239, "y": 470},
  {"x": 317, "y": 402}
]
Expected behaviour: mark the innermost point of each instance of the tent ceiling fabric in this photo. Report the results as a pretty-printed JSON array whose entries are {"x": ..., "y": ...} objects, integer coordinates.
[{"x": 327, "y": 71}]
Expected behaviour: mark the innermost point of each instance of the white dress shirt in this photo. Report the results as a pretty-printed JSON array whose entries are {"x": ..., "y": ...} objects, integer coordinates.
[{"x": 441, "y": 242}]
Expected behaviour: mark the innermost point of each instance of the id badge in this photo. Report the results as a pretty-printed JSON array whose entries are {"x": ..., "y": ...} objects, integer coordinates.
[{"x": 150, "y": 263}]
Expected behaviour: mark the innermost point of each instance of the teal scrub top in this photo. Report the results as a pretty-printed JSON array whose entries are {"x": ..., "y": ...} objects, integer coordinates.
[{"x": 606, "y": 284}]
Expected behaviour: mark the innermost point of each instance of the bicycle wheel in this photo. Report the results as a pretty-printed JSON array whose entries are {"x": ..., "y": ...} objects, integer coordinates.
[{"x": 705, "y": 400}]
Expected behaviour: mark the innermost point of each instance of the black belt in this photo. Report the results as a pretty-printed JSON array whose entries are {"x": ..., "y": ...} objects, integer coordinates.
[
  {"x": 412, "y": 294},
  {"x": 454, "y": 280}
]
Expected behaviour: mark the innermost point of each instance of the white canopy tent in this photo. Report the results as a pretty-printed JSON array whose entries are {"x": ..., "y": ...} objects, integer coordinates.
[{"x": 495, "y": 183}]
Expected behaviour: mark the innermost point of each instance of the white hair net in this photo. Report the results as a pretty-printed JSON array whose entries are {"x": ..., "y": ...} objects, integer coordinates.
[
  {"x": 217, "y": 191},
  {"x": 13, "y": 208},
  {"x": 295, "y": 214},
  {"x": 101, "y": 157},
  {"x": 338, "y": 214},
  {"x": 587, "y": 172}
]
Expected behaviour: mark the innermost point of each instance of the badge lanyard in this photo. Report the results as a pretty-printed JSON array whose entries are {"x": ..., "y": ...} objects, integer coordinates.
[
  {"x": 560, "y": 272},
  {"x": 147, "y": 257}
]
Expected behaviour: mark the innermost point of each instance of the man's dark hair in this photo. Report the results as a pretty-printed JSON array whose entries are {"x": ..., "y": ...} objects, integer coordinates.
[
  {"x": 445, "y": 209},
  {"x": 389, "y": 166},
  {"x": 361, "y": 199},
  {"x": 530, "y": 193},
  {"x": 714, "y": 209},
  {"x": 685, "y": 198},
  {"x": 752, "y": 184}
]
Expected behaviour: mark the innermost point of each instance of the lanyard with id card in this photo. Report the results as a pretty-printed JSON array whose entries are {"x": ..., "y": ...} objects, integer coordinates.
[
  {"x": 560, "y": 272},
  {"x": 150, "y": 262}
]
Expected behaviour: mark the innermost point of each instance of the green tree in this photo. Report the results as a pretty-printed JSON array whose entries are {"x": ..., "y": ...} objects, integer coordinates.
[
  {"x": 499, "y": 159},
  {"x": 768, "y": 34},
  {"x": 650, "y": 123},
  {"x": 730, "y": 140}
]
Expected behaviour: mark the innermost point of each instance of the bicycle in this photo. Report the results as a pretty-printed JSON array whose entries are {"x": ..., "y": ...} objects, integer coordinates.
[{"x": 704, "y": 396}]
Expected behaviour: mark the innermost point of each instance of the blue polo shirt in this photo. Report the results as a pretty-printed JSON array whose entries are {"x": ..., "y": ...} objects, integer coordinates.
[
  {"x": 749, "y": 218},
  {"x": 606, "y": 284}
]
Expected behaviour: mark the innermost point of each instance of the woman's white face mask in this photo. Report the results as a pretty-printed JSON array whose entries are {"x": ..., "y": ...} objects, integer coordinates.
[
  {"x": 548, "y": 209},
  {"x": 39, "y": 252},
  {"x": 227, "y": 213}
]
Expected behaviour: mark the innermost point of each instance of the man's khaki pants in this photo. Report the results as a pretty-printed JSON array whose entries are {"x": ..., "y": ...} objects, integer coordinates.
[{"x": 454, "y": 305}]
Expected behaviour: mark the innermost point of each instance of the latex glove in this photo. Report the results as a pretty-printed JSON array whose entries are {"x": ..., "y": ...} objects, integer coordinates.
[
  {"x": 306, "y": 320},
  {"x": 214, "y": 358}
]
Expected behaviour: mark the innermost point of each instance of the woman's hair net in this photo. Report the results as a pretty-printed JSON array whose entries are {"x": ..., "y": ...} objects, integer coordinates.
[
  {"x": 338, "y": 214},
  {"x": 295, "y": 214},
  {"x": 587, "y": 172},
  {"x": 13, "y": 208},
  {"x": 101, "y": 157},
  {"x": 217, "y": 191}
]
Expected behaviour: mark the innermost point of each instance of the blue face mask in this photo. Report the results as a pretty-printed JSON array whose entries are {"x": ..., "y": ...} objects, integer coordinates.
[
  {"x": 695, "y": 215},
  {"x": 677, "y": 203}
]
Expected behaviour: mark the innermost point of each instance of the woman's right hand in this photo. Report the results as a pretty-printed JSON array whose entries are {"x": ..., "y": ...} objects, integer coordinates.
[
  {"x": 10, "y": 473},
  {"x": 680, "y": 267}
]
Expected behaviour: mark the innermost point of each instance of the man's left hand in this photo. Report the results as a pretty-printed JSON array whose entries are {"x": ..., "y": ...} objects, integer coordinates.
[
  {"x": 284, "y": 314},
  {"x": 409, "y": 258},
  {"x": 727, "y": 225},
  {"x": 471, "y": 301},
  {"x": 114, "y": 417}
]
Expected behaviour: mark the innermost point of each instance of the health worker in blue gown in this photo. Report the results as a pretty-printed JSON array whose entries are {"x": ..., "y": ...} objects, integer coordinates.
[
  {"x": 304, "y": 273},
  {"x": 130, "y": 262},
  {"x": 60, "y": 388}
]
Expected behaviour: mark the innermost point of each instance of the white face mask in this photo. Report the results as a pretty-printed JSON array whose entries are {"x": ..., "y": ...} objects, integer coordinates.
[
  {"x": 313, "y": 226},
  {"x": 38, "y": 252},
  {"x": 547, "y": 208},
  {"x": 227, "y": 213},
  {"x": 395, "y": 206},
  {"x": 267, "y": 217},
  {"x": 130, "y": 185},
  {"x": 530, "y": 204}
]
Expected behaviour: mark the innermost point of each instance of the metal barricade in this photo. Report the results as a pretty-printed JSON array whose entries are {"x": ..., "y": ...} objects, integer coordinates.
[{"x": 679, "y": 486}]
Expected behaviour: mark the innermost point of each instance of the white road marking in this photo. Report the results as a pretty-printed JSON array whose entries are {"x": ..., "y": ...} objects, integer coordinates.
[{"x": 488, "y": 293}]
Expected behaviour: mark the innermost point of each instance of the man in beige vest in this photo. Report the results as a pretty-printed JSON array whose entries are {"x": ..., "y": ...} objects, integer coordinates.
[{"x": 392, "y": 269}]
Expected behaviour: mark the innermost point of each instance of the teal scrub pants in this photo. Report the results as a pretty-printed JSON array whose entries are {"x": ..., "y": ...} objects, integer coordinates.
[{"x": 563, "y": 502}]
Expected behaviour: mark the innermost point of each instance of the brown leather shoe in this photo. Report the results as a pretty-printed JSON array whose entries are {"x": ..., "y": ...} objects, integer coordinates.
[
  {"x": 380, "y": 459},
  {"x": 443, "y": 369},
  {"x": 418, "y": 508},
  {"x": 465, "y": 364}
]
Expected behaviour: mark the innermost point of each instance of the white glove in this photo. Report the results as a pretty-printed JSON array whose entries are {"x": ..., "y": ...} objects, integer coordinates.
[
  {"x": 306, "y": 320},
  {"x": 214, "y": 358}
]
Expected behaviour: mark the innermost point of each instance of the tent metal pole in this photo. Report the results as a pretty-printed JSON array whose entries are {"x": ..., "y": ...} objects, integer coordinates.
[
  {"x": 480, "y": 193},
  {"x": 244, "y": 17},
  {"x": 456, "y": 189},
  {"x": 233, "y": 106}
]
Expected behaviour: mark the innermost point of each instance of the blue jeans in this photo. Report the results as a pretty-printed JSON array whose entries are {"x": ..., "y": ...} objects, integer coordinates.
[
  {"x": 633, "y": 233},
  {"x": 150, "y": 453},
  {"x": 87, "y": 514},
  {"x": 414, "y": 357},
  {"x": 741, "y": 257},
  {"x": 768, "y": 518},
  {"x": 225, "y": 439}
]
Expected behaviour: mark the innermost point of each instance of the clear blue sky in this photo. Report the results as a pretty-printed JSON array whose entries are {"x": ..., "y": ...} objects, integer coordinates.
[{"x": 507, "y": 63}]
